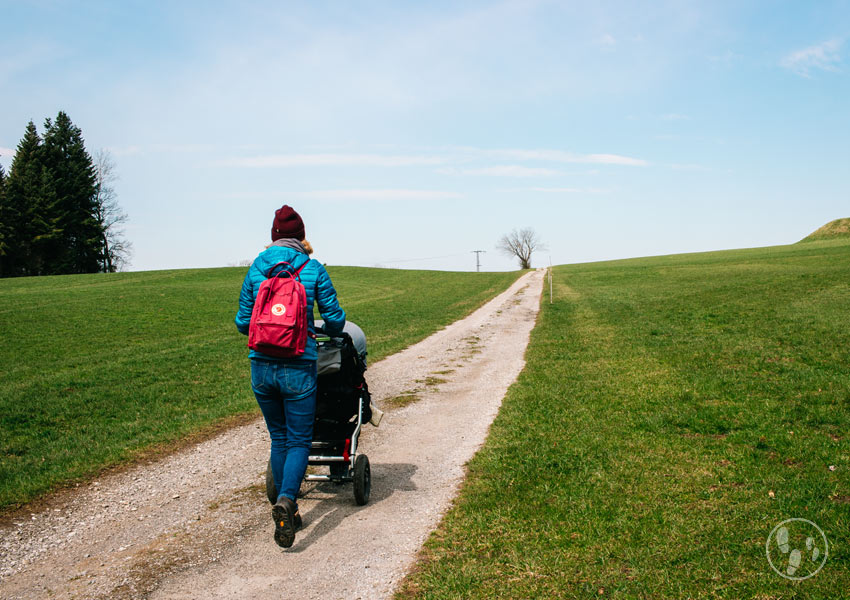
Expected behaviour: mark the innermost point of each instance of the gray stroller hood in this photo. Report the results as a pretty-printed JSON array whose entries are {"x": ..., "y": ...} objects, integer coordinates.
[{"x": 329, "y": 354}]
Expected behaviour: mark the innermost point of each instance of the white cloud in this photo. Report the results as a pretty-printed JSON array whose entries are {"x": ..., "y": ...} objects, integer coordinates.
[
  {"x": 448, "y": 156},
  {"x": 568, "y": 190},
  {"x": 607, "y": 40},
  {"x": 568, "y": 157},
  {"x": 615, "y": 159},
  {"x": 364, "y": 194},
  {"x": 7, "y": 152},
  {"x": 674, "y": 117},
  {"x": 502, "y": 171},
  {"x": 824, "y": 56},
  {"x": 334, "y": 160},
  {"x": 124, "y": 150}
]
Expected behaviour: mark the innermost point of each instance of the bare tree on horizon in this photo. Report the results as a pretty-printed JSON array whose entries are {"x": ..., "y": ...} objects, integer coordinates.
[
  {"x": 109, "y": 215},
  {"x": 521, "y": 243}
]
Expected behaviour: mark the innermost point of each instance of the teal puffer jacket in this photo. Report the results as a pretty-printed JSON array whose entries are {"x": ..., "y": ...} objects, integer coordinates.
[{"x": 316, "y": 283}]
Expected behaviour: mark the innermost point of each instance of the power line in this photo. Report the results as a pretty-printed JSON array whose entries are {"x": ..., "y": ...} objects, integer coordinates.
[{"x": 478, "y": 259}]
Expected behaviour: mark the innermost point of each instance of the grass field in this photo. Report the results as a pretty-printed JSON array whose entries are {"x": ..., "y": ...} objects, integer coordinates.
[
  {"x": 96, "y": 370},
  {"x": 839, "y": 228},
  {"x": 672, "y": 412}
]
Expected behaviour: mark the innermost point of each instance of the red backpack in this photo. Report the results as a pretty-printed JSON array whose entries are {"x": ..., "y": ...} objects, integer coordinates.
[{"x": 279, "y": 320}]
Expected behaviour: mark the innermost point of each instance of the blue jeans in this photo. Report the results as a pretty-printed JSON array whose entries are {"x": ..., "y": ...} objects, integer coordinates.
[{"x": 286, "y": 393}]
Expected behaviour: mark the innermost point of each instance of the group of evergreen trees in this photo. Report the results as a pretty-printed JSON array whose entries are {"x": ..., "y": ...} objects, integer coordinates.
[{"x": 58, "y": 212}]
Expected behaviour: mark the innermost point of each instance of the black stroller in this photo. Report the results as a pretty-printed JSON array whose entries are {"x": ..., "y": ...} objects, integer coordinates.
[{"x": 342, "y": 407}]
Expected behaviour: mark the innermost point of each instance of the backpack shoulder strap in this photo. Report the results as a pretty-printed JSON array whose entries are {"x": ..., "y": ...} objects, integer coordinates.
[
  {"x": 291, "y": 271},
  {"x": 288, "y": 271},
  {"x": 301, "y": 268}
]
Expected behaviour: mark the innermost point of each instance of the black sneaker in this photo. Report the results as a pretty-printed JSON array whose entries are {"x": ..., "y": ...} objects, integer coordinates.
[
  {"x": 284, "y": 513},
  {"x": 296, "y": 520}
]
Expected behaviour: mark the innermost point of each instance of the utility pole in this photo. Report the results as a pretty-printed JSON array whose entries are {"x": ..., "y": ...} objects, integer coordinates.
[{"x": 478, "y": 259}]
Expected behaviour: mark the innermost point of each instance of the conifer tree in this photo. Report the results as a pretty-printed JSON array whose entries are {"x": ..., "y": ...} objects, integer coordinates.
[
  {"x": 4, "y": 223},
  {"x": 51, "y": 218},
  {"x": 23, "y": 200},
  {"x": 72, "y": 240}
]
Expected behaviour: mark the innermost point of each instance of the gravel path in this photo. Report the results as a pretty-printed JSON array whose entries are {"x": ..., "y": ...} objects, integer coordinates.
[{"x": 197, "y": 524}]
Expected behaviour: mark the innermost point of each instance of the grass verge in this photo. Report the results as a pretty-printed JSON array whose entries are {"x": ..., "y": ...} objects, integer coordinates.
[
  {"x": 673, "y": 410},
  {"x": 96, "y": 370}
]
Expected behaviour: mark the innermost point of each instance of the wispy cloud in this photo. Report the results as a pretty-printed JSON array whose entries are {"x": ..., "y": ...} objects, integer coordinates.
[
  {"x": 607, "y": 40},
  {"x": 6, "y": 152},
  {"x": 568, "y": 190},
  {"x": 614, "y": 159},
  {"x": 124, "y": 150},
  {"x": 332, "y": 160},
  {"x": 445, "y": 156},
  {"x": 825, "y": 56},
  {"x": 674, "y": 117},
  {"x": 568, "y": 157},
  {"x": 391, "y": 194},
  {"x": 502, "y": 171}
]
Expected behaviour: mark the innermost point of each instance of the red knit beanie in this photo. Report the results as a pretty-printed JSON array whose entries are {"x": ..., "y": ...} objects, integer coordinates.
[{"x": 287, "y": 224}]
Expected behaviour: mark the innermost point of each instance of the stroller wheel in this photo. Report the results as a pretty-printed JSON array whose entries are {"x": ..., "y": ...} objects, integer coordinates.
[
  {"x": 271, "y": 492},
  {"x": 362, "y": 480}
]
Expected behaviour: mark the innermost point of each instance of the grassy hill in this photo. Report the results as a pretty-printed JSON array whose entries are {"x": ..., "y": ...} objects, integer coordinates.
[
  {"x": 96, "y": 370},
  {"x": 839, "y": 228},
  {"x": 672, "y": 412}
]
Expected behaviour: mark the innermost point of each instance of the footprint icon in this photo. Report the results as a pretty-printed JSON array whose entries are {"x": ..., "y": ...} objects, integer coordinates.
[
  {"x": 810, "y": 546},
  {"x": 795, "y": 558},
  {"x": 782, "y": 539},
  {"x": 797, "y": 549},
  {"x": 794, "y": 562}
]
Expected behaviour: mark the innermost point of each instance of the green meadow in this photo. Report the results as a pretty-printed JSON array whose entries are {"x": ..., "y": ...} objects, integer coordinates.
[
  {"x": 672, "y": 412},
  {"x": 97, "y": 370}
]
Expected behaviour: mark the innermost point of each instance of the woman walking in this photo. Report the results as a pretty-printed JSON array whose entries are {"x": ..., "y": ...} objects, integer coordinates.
[{"x": 285, "y": 388}]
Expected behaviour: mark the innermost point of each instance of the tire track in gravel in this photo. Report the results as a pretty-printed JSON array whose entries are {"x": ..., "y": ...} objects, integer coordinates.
[{"x": 197, "y": 525}]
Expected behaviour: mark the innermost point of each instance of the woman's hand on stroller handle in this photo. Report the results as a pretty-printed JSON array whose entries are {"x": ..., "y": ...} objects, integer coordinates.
[{"x": 320, "y": 329}]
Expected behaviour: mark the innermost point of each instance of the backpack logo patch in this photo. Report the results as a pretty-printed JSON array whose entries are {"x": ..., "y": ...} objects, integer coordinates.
[{"x": 278, "y": 310}]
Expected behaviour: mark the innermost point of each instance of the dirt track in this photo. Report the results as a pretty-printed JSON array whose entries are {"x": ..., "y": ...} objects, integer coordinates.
[{"x": 197, "y": 525}]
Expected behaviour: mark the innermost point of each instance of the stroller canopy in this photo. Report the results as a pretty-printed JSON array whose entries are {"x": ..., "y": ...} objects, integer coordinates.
[{"x": 358, "y": 338}]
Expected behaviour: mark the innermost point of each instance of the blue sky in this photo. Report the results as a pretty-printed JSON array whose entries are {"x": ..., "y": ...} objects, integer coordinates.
[{"x": 408, "y": 134}]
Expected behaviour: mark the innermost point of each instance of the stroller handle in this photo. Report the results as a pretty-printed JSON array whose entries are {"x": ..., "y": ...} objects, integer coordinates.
[{"x": 342, "y": 335}]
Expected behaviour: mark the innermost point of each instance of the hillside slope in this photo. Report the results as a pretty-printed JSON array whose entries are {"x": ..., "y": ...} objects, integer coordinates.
[
  {"x": 672, "y": 412},
  {"x": 839, "y": 228}
]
